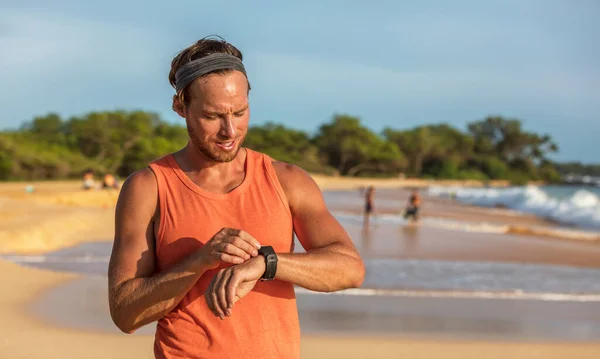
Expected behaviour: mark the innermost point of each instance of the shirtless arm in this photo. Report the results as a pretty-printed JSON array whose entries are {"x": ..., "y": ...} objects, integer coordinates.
[{"x": 138, "y": 295}]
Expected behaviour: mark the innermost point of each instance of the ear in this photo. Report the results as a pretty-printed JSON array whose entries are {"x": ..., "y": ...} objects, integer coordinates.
[{"x": 178, "y": 106}]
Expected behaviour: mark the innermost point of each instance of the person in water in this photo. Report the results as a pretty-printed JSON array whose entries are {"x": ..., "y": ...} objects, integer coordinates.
[
  {"x": 204, "y": 236},
  {"x": 369, "y": 205},
  {"x": 413, "y": 205}
]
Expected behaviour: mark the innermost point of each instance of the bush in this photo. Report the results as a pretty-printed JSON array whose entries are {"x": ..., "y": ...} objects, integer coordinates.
[
  {"x": 315, "y": 167},
  {"x": 5, "y": 167},
  {"x": 472, "y": 175},
  {"x": 518, "y": 179}
]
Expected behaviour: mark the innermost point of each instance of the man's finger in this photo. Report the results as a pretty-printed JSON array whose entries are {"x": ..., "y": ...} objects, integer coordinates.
[
  {"x": 231, "y": 288},
  {"x": 243, "y": 245},
  {"x": 232, "y": 249},
  {"x": 220, "y": 291},
  {"x": 248, "y": 238},
  {"x": 208, "y": 297},
  {"x": 224, "y": 257},
  {"x": 213, "y": 296}
]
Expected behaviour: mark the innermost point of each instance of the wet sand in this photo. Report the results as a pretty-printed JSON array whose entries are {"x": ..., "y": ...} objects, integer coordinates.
[
  {"x": 421, "y": 242},
  {"x": 81, "y": 304}
]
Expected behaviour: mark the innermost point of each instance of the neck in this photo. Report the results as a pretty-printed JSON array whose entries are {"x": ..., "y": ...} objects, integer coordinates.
[{"x": 200, "y": 166}]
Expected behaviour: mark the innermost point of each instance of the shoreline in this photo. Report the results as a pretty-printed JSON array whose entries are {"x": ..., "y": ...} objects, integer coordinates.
[{"x": 59, "y": 214}]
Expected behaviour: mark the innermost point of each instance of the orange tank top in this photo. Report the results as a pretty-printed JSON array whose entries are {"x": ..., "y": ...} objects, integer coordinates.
[{"x": 263, "y": 324}]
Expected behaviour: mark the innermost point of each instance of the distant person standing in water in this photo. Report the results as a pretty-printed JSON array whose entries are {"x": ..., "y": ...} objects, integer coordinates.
[
  {"x": 412, "y": 208},
  {"x": 369, "y": 206}
]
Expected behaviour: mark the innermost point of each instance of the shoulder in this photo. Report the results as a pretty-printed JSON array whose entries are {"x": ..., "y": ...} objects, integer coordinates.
[
  {"x": 291, "y": 175},
  {"x": 139, "y": 191},
  {"x": 297, "y": 184},
  {"x": 144, "y": 179}
]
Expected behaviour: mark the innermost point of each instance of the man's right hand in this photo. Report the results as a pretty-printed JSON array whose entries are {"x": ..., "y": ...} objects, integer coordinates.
[{"x": 228, "y": 245}]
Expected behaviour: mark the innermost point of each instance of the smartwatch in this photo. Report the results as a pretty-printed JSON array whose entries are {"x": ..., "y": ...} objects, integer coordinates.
[{"x": 270, "y": 262}]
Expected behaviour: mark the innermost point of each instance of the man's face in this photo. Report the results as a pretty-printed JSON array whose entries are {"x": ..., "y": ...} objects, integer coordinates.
[{"x": 217, "y": 115}]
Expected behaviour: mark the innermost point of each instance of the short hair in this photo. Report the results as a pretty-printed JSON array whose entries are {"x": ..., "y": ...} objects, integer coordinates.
[{"x": 201, "y": 48}]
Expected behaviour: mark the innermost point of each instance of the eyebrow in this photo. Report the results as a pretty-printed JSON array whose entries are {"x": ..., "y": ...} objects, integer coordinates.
[
  {"x": 214, "y": 113},
  {"x": 242, "y": 109}
]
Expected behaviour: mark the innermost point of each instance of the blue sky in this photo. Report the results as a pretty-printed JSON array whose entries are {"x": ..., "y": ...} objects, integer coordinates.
[{"x": 392, "y": 63}]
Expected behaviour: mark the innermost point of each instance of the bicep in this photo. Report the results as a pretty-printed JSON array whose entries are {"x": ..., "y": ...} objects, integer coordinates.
[
  {"x": 316, "y": 228},
  {"x": 133, "y": 247}
]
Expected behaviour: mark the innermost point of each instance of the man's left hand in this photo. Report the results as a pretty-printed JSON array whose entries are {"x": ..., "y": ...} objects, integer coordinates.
[{"x": 231, "y": 284}]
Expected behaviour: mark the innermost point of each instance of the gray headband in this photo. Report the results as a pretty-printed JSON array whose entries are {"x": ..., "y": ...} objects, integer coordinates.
[{"x": 204, "y": 65}]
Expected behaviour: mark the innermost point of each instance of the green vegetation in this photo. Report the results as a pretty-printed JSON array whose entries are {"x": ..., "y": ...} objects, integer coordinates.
[
  {"x": 120, "y": 142},
  {"x": 571, "y": 167}
]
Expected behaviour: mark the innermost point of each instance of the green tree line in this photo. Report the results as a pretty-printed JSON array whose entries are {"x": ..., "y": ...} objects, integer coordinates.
[
  {"x": 121, "y": 142},
  {"x": 578, "y": 168}
]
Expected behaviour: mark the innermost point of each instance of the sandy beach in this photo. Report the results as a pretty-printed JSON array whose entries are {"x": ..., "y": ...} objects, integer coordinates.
[{"x": 59, "y": 215}]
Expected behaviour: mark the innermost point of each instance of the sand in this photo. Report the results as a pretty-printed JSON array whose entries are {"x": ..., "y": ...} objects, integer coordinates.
[
  {"x": 59, "y": 215},
  {"x": 56, "y": 215},
  {"x": 26, "y": 337}
]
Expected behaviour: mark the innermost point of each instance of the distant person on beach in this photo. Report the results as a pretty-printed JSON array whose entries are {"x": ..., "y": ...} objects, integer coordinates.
[
  {"x": 110, "y": 182},
  {"x": 204, "y": 236},
  {"x": 369, "y": 205},
  {"x": 88, "y": 181},
  {"x": 413, "y": 205}
]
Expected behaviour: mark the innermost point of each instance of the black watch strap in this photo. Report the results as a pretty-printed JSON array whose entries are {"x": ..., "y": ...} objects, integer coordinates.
[{"x": 270, "y": 262}]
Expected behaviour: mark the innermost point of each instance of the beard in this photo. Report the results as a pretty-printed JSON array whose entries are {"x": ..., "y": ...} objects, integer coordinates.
[{"x": 210, "y": 149}]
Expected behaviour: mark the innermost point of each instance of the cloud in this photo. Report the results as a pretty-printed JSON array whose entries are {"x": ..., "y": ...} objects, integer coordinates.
[
  {"x": 348, "y": 83},
  {"x": 66, "y": 64},
  {"x": 37, "y": 42}
]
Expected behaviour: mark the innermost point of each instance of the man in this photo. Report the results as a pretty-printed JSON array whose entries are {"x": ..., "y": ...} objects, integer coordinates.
[
  {"x": 412, "y": 207},
  {"x": 204, "y": 236},
  {"x": 369, "y": 206}
]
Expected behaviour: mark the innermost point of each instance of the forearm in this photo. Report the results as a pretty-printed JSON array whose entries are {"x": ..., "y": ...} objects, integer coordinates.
[
  {"x": 139, "y": 301},
  {"x": 326, "y": 269}
]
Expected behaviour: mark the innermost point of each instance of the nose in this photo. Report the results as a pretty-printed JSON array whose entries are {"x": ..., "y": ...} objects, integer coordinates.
[{"x": 228, "y": 127}]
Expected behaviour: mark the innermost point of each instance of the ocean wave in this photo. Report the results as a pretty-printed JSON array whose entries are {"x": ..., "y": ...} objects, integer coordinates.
[
  {"x": 581, "y": 209},
  {"x": 427, "y": 222}
]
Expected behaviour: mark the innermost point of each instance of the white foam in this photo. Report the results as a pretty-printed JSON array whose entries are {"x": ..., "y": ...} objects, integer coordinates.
[
  {"x": 582, "y": 209},
  {"x": 516, "y": 294},
  {"x": 429, "y": 222}
]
